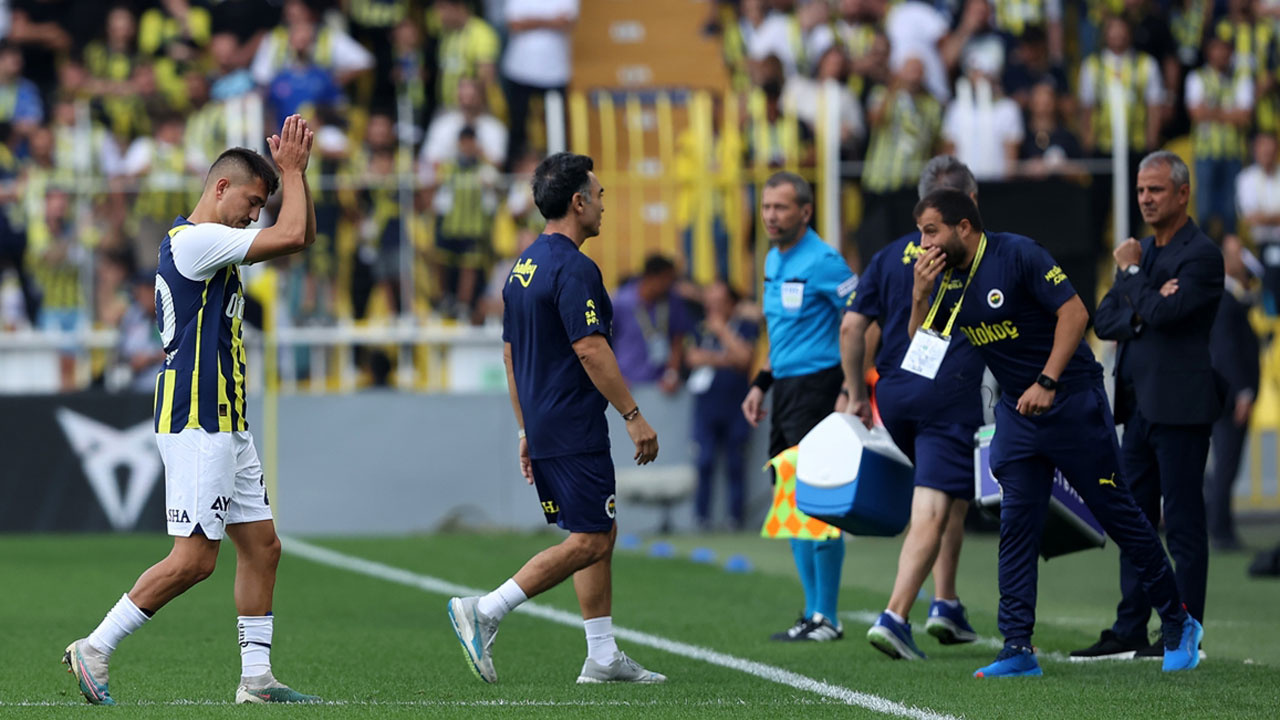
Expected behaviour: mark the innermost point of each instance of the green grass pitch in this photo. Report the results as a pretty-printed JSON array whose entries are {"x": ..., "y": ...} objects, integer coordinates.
[{"x": 379, "y": 649}]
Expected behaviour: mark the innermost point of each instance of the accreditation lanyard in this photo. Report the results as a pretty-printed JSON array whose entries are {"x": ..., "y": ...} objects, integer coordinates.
[{"x": 928, "y": 347}]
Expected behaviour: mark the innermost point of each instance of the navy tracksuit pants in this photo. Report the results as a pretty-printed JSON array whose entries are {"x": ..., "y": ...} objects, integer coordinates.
[{"x": 1077, "y": 435}]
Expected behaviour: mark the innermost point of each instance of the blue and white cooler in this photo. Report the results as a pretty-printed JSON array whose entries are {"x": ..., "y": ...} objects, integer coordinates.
[
  {"x": 854, "y": 478},
  {"x": 1069, "y": 526}
]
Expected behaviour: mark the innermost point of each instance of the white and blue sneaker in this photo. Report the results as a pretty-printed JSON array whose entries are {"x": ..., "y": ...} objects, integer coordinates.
[
  {"x": 89, "y": 666},
  {"x": 1182, "y": 644},
  {"x": 622, "y": 669},
  {"x": 476, "y": 632},
  {"x": 894, "y": 639},
  {"x": 1013, "y": 661},
  {"x": 950, "y": 625}
]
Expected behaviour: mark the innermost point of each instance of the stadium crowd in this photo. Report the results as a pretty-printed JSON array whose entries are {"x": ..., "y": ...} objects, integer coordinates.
[{"x": 110, "y": 114}]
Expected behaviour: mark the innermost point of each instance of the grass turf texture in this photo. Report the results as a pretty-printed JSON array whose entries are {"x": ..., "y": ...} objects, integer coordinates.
[{"x": 387, "y": 651}]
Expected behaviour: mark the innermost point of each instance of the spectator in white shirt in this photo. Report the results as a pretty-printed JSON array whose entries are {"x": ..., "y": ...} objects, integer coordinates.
[
  {"x": 1258, "y": 199},
  {"x": 332, "y": 50},
  {"x": 802, "y": 97},
  {"x": 442, "y": 135},
  {"x": 981, "y": 127},
  {"x": 798, "y": 39},
  {"x": 537, "y": 58}
]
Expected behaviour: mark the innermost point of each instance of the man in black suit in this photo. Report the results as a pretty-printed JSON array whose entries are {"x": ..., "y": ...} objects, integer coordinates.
[
  {"x": 1235, "y": 352},
  {"x": 1161, "y": 310}
]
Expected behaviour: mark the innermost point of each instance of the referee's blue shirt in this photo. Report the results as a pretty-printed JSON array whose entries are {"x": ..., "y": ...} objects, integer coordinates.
[
  {"x": 555, "y": 296},
  {"x": 804, "y": 297}
]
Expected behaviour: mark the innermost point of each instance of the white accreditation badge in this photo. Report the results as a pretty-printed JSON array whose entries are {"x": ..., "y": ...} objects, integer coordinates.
[
  {"x": 925, "y": 354},
  {"x": 792, "y": 296},
  {"x": 700, "y": 379}
]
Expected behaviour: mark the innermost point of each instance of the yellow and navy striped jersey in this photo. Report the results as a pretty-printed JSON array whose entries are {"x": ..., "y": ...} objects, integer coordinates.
[
  {"x": 199, "y": 318},
  {"x": 461, "y": 54}
]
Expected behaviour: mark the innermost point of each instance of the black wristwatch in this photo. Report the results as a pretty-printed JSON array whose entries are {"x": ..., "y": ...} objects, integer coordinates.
[{"x": 1047, "y": 382}]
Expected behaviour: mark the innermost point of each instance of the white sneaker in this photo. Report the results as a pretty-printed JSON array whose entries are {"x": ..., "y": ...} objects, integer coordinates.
[
  {"x": 476, "y": 633},
  {"x": 265, "y": 688},
  {"x": 89, "y": 666},
  {"x": 622, "y": 669}
]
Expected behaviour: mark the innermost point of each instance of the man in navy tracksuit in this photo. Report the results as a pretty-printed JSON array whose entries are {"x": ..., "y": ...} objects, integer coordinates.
[{"x": 1013, "y": 303}]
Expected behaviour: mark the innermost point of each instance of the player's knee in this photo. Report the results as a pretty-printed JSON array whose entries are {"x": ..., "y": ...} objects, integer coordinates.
[
  {"x": 591, "y": 548},
  {"x": 197, "y": 568},
  {"x": 268, "y": 553}
]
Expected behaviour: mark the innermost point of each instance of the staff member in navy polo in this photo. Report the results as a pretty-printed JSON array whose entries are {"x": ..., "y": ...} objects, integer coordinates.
[
  {"x": 806, "y": 284},
  {"x": 1161, "y": 309},
  {"x": 1013, "y": 303},
  {"x": 561, "y": 377},
  {"x": 932, "y": 422}
]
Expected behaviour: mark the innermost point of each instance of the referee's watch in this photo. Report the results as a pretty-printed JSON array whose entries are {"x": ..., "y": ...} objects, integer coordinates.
[
  {"x": 1047, "y": 382},
  {"x": 1131, "y": 270}
]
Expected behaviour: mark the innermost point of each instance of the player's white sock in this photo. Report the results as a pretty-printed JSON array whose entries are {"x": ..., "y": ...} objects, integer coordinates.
[
  {"x": 498, "y": 603},
  {"x": 123, "y": 619},
  {"x": 255, "y": 644},
  {"x": 601, "y": 646},
  {"x": 896, "y": 617}
]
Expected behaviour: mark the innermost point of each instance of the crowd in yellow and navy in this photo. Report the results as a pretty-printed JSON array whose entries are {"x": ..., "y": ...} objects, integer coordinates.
[
  {"x": 111, "y": 113},
  {"x": 1018, "y": 89}
]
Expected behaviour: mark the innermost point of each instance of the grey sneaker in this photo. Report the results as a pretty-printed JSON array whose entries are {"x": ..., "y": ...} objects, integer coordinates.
[
  {"x": 622, "y": 669},
  {"x": 265, "y": 688},
  {"x": 476, "y": 633},
  {"x": 89, "y": 666}
]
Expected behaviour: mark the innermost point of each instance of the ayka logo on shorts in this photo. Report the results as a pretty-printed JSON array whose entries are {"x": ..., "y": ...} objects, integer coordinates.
[
  {"x": 995, "y": 298},
  {"x": 610, "y": 507},
  {"x": 103, "y": 450}
]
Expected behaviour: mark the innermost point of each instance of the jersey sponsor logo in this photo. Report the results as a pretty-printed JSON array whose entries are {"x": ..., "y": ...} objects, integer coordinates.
[
  {"x": 107, "y": 455},
  {"x": 611, "y": 506},
  {"x": 221, "y": 503},
  {"x": 985, "y": 334},
  {"x": 591, "y": 316},
  {"x": 1055, "y": 275},
  {"x": 995, "y": 298},
  {"x": 846, "y": 287},
  {"x": 1108, "y": 481},
  {"x": 911, "y": 252},
  {"x": 523, "y": 271}
]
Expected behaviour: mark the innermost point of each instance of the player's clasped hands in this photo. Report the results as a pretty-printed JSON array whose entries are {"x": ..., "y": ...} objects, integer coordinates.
[
  {"x": 291, "y": 149},
  {"x": 645, "y": 438}
]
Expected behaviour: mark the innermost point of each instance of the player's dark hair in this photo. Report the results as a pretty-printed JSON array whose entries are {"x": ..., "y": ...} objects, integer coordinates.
[
  {"x": 658, "y": 265},
  {"x": 247, "y": 164},
  {"x": 953, "y": 206},
  {"x": 804, "y": 192},
  {"x": 467, "y": 133},
  {"x": 556, "y": 181}
]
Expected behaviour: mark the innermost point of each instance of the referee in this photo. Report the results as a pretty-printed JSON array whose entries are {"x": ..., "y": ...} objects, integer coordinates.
[
  {"x": 806, "y": 284},
  {"x": 562, "y": 376}
]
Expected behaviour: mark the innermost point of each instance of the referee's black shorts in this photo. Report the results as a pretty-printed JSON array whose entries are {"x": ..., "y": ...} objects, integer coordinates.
[{"x": 801, "y": 402}]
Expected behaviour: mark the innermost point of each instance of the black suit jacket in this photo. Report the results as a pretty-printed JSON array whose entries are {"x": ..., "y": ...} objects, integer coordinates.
[
  {"x": 1234, "y": 346},
  {"x": 1165, "y": 340}
]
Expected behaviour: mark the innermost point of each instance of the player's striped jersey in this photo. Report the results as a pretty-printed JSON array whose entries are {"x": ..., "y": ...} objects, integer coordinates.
[{"x": 199, "y": 311}]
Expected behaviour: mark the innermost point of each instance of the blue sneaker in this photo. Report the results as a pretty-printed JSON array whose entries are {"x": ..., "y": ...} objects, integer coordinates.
[
  {"x": 1182, "y": 644},
  {"x": 1013, "y": 661},
  {"x": 950, "y": 625},
  {"x": 894, "y": 639}
]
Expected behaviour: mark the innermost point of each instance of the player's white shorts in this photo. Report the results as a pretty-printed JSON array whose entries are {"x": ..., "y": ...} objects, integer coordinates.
[{"x": 211, "y": 480}]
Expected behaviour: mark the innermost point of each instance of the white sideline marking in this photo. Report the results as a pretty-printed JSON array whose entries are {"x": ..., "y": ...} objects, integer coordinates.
[
  {"x": 779, "y": 675},
  {"x": 453, "y": 703}
]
